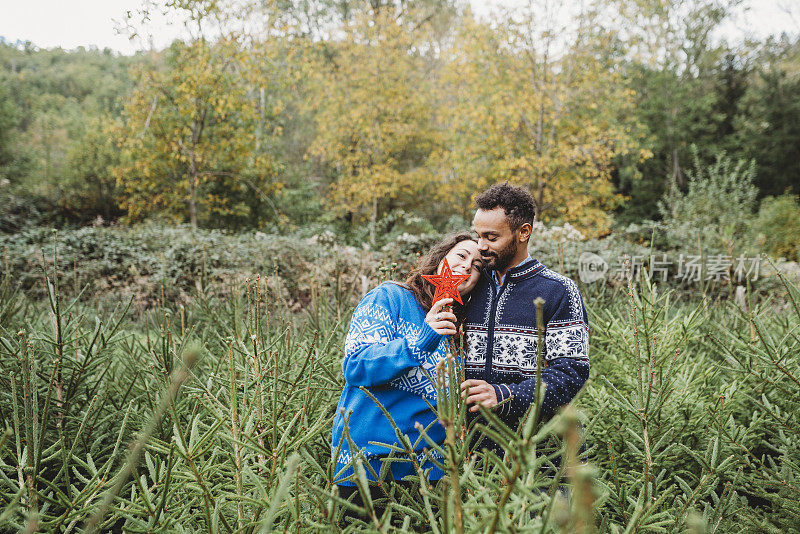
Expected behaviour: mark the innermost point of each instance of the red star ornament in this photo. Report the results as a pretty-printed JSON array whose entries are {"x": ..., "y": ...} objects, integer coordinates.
[{"x": 446, "y": 283}]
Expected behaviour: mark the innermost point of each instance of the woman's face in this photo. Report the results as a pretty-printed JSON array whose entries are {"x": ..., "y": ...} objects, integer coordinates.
[{"x": 464, "y": 258}]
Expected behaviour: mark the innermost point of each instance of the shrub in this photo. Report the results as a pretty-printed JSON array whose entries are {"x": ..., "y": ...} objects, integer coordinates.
[
  {"x": 146, "y": 260},
  {"x": 18, "y": 211},
  {"x": 717, "y": 207},
  {"x": 778, "y": 226}
]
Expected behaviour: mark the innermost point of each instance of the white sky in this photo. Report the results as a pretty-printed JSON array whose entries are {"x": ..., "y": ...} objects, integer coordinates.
[{"x": 73, "y": 23}]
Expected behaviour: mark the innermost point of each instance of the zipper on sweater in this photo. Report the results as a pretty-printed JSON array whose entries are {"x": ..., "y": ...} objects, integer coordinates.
[{"x": 490, "y": 339}]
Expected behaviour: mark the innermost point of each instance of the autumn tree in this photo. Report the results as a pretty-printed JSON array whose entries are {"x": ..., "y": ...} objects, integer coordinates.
[
  {"x": 535, "y": 108},
  {"x": 191, "y": 134},
  {"x": 373, "y": 109}
]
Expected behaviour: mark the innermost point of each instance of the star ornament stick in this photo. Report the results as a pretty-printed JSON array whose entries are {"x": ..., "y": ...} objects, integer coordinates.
[{"x": 446, "y": 283}]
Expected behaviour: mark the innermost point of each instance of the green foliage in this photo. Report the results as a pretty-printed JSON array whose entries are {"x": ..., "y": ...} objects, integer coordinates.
[
  {"x": 171, "y": 263},
  {"x": 214, "y": 415},
  {"x": 769, "y": 122},
  {"x": 778, "y": 226},
  {"x": 685, "y": 86},
  {"x": 20, "y": 210},
  {"x": 660, "y": 394},
  {"x": 339, "y": 112},
  {"x": 10, "y": 155},
  {"x": 717, "y": 207},
  {"x": 698, "y": 410},
  {"x": 53, "y": 93},
  {"x": 761, "y": 365},
  {"x": 89, "y": 185}
]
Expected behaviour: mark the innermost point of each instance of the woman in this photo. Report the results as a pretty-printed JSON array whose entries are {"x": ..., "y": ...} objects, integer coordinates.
[{"x": 396, "y": 336}]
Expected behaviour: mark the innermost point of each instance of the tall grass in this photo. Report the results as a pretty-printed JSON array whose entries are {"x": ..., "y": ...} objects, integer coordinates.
[{"x": 216, "y": 415}]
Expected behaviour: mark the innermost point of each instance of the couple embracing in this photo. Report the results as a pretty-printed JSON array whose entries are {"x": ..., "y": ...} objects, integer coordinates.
[{"x": 398, "y": 336}]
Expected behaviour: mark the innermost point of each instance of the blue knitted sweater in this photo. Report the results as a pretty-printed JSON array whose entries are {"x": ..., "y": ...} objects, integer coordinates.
[
  {"x": 501, "y": 339},
  {"x": 386, "y": 349}
]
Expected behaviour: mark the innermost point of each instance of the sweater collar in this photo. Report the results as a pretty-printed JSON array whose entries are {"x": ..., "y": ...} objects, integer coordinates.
[{"x": 527, "y": 269}]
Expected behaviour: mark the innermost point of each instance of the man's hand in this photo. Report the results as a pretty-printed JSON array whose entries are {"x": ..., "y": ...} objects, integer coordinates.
[{"x": 480, "y": 393}]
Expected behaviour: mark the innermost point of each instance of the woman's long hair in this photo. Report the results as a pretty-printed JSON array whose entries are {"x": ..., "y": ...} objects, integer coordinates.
[{"x": 422, "y": 289}]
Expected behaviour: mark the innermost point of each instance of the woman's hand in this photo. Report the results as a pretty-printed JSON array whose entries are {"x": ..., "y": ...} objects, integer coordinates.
[{"x": 443, "y": 322}]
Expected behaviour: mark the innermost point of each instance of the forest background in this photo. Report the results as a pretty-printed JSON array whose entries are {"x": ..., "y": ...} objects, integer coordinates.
[
  {"x": 357, "y": 116},
  {"x": 171, "y": 354}
]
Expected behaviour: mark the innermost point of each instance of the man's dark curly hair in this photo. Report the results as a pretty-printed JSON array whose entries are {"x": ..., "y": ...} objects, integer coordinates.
[{"x": 517, "y": 202}]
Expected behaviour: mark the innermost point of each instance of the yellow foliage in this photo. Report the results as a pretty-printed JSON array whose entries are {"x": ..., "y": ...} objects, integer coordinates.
[
  {"x": 552, "y": 122},
  {"x": 188, "y": 127},
  {"x": 373, "y": 108},
  {"x": 400, "y": 118}
]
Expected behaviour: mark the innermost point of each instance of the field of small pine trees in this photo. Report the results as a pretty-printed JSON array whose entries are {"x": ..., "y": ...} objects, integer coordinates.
[{"x": 213, "y": 414}]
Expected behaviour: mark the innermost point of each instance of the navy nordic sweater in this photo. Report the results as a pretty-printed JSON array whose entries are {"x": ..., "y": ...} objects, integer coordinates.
[{"x": 501, "y": 339}]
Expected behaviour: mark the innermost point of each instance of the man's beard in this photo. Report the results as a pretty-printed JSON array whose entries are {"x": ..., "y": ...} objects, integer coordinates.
[{"x": 499, "y": 261}]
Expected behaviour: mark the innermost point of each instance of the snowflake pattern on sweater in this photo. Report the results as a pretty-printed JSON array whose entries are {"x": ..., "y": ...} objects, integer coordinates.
[{"x": 502, "y": 338}]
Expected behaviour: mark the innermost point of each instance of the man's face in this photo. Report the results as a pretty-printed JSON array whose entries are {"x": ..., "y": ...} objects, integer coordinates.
[{"x": 496, "y": 242}]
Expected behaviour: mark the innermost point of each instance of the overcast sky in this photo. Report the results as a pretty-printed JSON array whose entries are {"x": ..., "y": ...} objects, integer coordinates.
[{"x": 73, "y": 23}]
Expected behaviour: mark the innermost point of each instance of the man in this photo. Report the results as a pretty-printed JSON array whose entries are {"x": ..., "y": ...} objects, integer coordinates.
[{"x": 501, "y": 336}]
